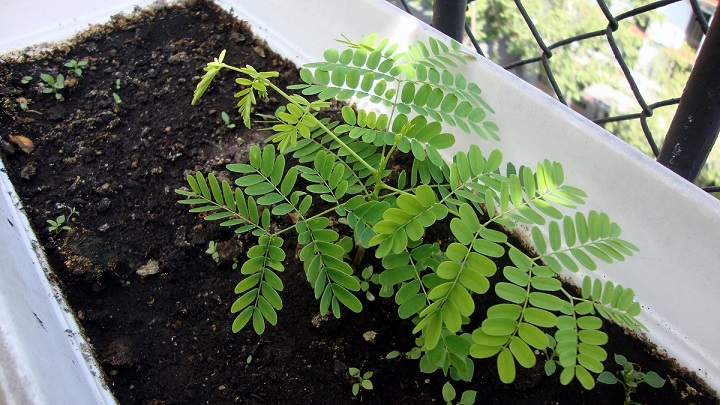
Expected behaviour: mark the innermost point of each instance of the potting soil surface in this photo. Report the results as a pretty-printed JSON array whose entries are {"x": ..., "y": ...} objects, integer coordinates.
[{"x": 154, "y": 305}]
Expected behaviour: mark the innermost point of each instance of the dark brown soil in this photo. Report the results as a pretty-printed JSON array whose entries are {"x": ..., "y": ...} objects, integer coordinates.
[{"x": 165, "y": 338}]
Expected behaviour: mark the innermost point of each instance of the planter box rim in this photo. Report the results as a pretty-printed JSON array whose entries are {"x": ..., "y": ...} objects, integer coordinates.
[{"x": 656, "y": 208}]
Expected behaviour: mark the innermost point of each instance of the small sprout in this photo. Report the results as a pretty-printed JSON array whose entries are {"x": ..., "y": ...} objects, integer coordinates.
[
  {"x": 212, "y": 251},
  {"x": 449, "y": 394},
  {"x": 75, "y": 67},
  {"x": 116, "y": 96},
  {"x": 249, "y": 359},
  {"x": 392, "y": 355},
  {"x": 367, "y": 278},
  {"x": 226, "y": 120},
  {"x": 53, "y": 85},
  {"x": 631, "y": 377},
  {"x": 59, "y": 224},
  {"x": 23, "y": 103},
  {"x": 26, "y": 79},
  {"x": 360, "y": 382}
]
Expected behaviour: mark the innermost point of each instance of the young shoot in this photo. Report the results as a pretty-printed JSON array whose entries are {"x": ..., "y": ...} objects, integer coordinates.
[
  {"x": 59, "y": 224},
  {"x": 226, "y": 120},
  {"x": 53, "y": 85},
  {"x": 631, "y": 376},
  {"x": 361, "y": 381},
  {"x": 75, "y": 67}
]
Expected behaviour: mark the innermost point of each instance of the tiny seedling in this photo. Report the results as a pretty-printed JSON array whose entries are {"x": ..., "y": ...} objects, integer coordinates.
[
  {"x": 226, "y": 120},
  {"x": 75, "y": 67},
  {"x": 449, "y": 394},
  {"x": 26, "y": 79},
  {"x": 59, "y": 224},
  {"x": 367, "y": 278},
  {"x": 212, "y": 251},
  {"x": 360, "y": 381},
  {"x": 23, "y": 103},
  {"x": 116, "y": 96},
  {"x": 53, "y": 84},
  {"x": 630, "y": 377}
]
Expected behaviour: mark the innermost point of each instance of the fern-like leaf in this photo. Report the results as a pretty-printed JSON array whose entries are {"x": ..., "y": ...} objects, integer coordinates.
[{"x": 259, "y": 299}]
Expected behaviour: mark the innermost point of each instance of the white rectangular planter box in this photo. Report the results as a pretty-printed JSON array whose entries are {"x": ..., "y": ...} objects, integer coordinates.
[{"x": 677, "y": 226}]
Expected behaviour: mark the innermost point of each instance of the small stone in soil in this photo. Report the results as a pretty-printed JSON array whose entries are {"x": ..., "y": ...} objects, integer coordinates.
[
  {"x": 369, "y": 336},
  {"x": 57, "y": 112},
  {"x": 150, "y": 268},
  {"x": 28, "y": 171},
  {"x": 7, "y": 147},
  {"x": 104, "y": 205},
  {"x": 118, "y": 353}
]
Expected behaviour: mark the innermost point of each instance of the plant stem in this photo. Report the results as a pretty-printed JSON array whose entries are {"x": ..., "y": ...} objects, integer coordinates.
[
  {"x": 359, "y": 254},
  {"x": 325, "y": 129}
]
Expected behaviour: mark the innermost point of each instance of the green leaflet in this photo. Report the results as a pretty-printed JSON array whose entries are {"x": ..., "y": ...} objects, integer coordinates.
[
  {"x": 260, "y": 298},
  {"x": 405, "y": 222}
]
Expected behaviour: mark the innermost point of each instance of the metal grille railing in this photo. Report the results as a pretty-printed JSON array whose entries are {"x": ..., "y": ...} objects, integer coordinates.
[{"x": 447, "y": 19}]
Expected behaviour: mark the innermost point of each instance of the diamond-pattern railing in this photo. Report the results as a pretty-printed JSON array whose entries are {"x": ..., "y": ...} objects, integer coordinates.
[{"x": 645, "y": 110}]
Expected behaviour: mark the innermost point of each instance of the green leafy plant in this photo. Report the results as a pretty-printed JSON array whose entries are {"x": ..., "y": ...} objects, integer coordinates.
[
  {"x": 449, "y": 395},
  {"x": 26, "y": 79},
  {"x": 23, "y": 103},
  {"x": 343, "y": 179},
  {"x": 226, "y": 120},
  {"x": 53, "y": 85},
  {"x": 630, "y": 377},
  {"x": 369, "y": 278},
  {"x": 59, "y": 224},
  {"x": 76, "y": 67},
  {"x": 361, "y": 381},
  {"x": 212, "y": 251},
  {"x": 116, "y": 97},
  {"x": 215, "y": 255}
]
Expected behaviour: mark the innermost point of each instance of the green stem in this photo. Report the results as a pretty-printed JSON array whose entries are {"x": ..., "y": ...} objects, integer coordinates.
[
  {"x": 359, "y": 254},
  {"x": 293, "y": 226},
  {"x": 320, "y": 124}
]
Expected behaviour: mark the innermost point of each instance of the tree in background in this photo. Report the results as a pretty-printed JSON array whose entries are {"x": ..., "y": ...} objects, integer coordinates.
[
  {"x": 586, "y": 71},
  {"x": 589, "y": 64}
]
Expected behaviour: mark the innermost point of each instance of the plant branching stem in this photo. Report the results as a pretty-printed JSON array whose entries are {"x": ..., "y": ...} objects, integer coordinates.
[{"x": 320, "y": 124}]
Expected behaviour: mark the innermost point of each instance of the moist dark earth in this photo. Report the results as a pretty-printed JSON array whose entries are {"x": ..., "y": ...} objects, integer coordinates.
[{"x": 153, "y": 304}]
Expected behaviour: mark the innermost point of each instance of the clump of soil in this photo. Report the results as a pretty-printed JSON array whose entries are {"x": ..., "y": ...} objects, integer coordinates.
[{"x": 153, "y": 304}]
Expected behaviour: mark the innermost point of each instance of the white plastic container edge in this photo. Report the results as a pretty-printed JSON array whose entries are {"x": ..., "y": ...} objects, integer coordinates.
[
  {"x": 675, "y": 225},
  {"x": 44, "y": 359}
]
